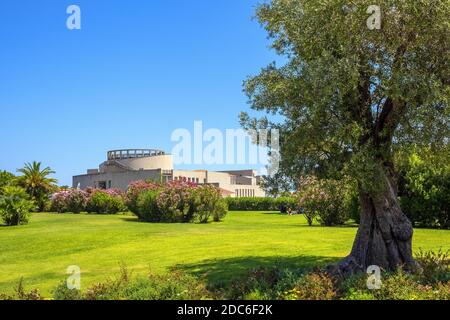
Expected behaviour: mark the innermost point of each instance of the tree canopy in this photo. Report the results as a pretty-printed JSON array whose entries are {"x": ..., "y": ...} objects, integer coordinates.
[{"x": 349, "y": 96}]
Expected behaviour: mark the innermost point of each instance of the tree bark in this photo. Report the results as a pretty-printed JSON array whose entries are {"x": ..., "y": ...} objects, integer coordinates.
[{"x": 384, "y": 237}]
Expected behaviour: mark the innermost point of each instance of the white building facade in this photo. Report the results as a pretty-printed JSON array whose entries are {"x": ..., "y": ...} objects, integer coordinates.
[{"x": 123, "y": 167}]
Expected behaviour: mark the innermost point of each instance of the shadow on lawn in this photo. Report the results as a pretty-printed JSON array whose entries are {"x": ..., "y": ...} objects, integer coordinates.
[{"x": 216, "y": 271}]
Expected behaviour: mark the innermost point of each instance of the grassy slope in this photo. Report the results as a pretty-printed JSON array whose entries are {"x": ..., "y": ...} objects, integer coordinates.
[{"x": 41, "y": 251}]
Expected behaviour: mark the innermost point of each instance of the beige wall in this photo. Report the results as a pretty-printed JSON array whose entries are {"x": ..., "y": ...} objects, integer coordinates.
[
  {"x": 119, "y": 180},
  {"x": 163, "y": 162}
]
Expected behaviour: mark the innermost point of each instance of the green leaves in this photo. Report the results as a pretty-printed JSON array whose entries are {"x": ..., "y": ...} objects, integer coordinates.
[
  {"x": 15, "y": 206},
  {"x": 345, "y": 89}
]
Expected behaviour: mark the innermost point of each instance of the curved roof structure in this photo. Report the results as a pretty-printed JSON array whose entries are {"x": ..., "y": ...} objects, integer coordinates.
[{"x": 133, "y": 153}]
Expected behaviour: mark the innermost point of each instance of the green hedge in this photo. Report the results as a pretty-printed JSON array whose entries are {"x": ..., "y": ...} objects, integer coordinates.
[{"x": 260, "y": 204}]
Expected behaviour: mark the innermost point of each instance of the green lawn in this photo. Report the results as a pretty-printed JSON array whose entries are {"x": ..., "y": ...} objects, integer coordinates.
[{"x": 41, "y": 251}]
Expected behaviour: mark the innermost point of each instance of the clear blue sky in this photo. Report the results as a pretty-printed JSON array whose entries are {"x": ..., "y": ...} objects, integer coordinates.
[{"x": 136, "y": 71}]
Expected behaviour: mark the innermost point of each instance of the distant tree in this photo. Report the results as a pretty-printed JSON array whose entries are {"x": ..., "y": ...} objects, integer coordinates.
[
  {"x": 6, "y": 179},
  {"x": 37, "y": 183},
  {"x": 349, "y": 96}
]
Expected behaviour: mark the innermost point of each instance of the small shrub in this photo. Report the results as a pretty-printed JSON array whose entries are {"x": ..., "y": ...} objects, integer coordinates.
[
  {"x": 175, "y": 202},
  {"x": 62, "y": 292},
  {"x": 15, "y": 206},
  {"x": 435, "y": 266},
  {"x": 147, "y": 207},
  {"x": 21, "y": 294},
  {"x": 220, "y": 210},
  {"x": 174, "y": 286},
  {"x": 324, "y": 199},
  {"x": 105, "y": 202},
  {"x": 207, "y": 201},
  {"x": 313, "y": 286},
  {"x": 133, "y": 192},
  {"x": 71, "y": 200}
]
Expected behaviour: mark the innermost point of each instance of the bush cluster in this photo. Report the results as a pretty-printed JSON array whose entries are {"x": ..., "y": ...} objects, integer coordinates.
[
  {"x": 99, "y": 201},
  {"x": 176, "y": 202},
  {"x": 71, "y": 200},
  {"x": 261, "y": 204}
]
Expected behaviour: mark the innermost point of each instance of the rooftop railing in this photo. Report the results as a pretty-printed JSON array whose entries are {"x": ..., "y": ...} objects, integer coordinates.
[{"x": 133, "y": 154}]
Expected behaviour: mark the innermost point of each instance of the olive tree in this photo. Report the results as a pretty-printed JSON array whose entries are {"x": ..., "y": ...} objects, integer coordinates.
[{"x": 356, "y": 83}]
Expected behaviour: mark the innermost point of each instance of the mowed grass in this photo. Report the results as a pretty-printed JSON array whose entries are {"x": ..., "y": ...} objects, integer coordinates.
[{"x": 41, "y": 251}]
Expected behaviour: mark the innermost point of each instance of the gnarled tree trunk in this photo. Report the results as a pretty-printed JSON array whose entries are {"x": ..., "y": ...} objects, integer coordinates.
[{"x": 384, "y": 236}]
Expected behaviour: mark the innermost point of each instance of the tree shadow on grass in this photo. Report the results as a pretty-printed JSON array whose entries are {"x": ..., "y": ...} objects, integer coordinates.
[{"x": 222, "y": 271}]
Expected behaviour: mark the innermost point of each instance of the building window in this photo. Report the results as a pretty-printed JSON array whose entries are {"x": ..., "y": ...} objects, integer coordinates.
[{"x": 109, "y": 184}]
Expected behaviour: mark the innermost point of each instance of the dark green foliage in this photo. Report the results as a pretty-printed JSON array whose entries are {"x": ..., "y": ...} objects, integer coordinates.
[
  {"x": 6, "y": 179},
  {"x": 329, "y": 201},
  {"x": 62, "y": 292},
  {"x": 207, "y": 202},
  {"x": 104, "y": 203},
  {"x": 15, "y": 206},
  {"x": 146, "y": 206},
  {"x": 261, "y": 204},
  {"x": 425, "y": 188},
  {"x": 435, "y": 265}
]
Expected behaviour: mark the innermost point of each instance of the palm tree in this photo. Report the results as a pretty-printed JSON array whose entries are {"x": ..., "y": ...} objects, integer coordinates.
[{"x": 37, "y": 183}]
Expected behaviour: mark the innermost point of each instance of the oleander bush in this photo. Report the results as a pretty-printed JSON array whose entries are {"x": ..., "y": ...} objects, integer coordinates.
[
  {"x": 70, "y": 200},
  {"x": 134, "y": 191},
  {"x": 92, "y": 200},
  {"x": 208, "y": 202},
  {"x": 328, "y": 201},
  {"x": 176, "y": 201},
  {"x": 146, "y": 206},
  {"x": 15, "y": 206},
  {"x": 109, "y": 201}
]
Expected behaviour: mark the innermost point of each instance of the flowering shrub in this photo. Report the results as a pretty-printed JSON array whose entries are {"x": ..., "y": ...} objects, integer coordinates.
[
  {"x": 71, "y": 200},
  {"x": 134, "y": 190},
  {"x": 208, "y": 201},
  {"x": 176, "y": 201},
  {"x": 109, "y": 201},
  {"x": 325, "y": 200}
]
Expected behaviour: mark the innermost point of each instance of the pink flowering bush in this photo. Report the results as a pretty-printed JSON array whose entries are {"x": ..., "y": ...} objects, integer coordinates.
[
  {"x": 325, "y": 200},
  {"x": 135, "y": 189},
  {"x": 176, "y": 201},
  {"x": 208, "y": 202},
  {"x": 70, "y": 200}
]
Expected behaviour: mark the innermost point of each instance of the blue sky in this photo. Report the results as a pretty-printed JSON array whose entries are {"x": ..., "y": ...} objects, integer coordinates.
[{"x": 136, "y": 71}]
